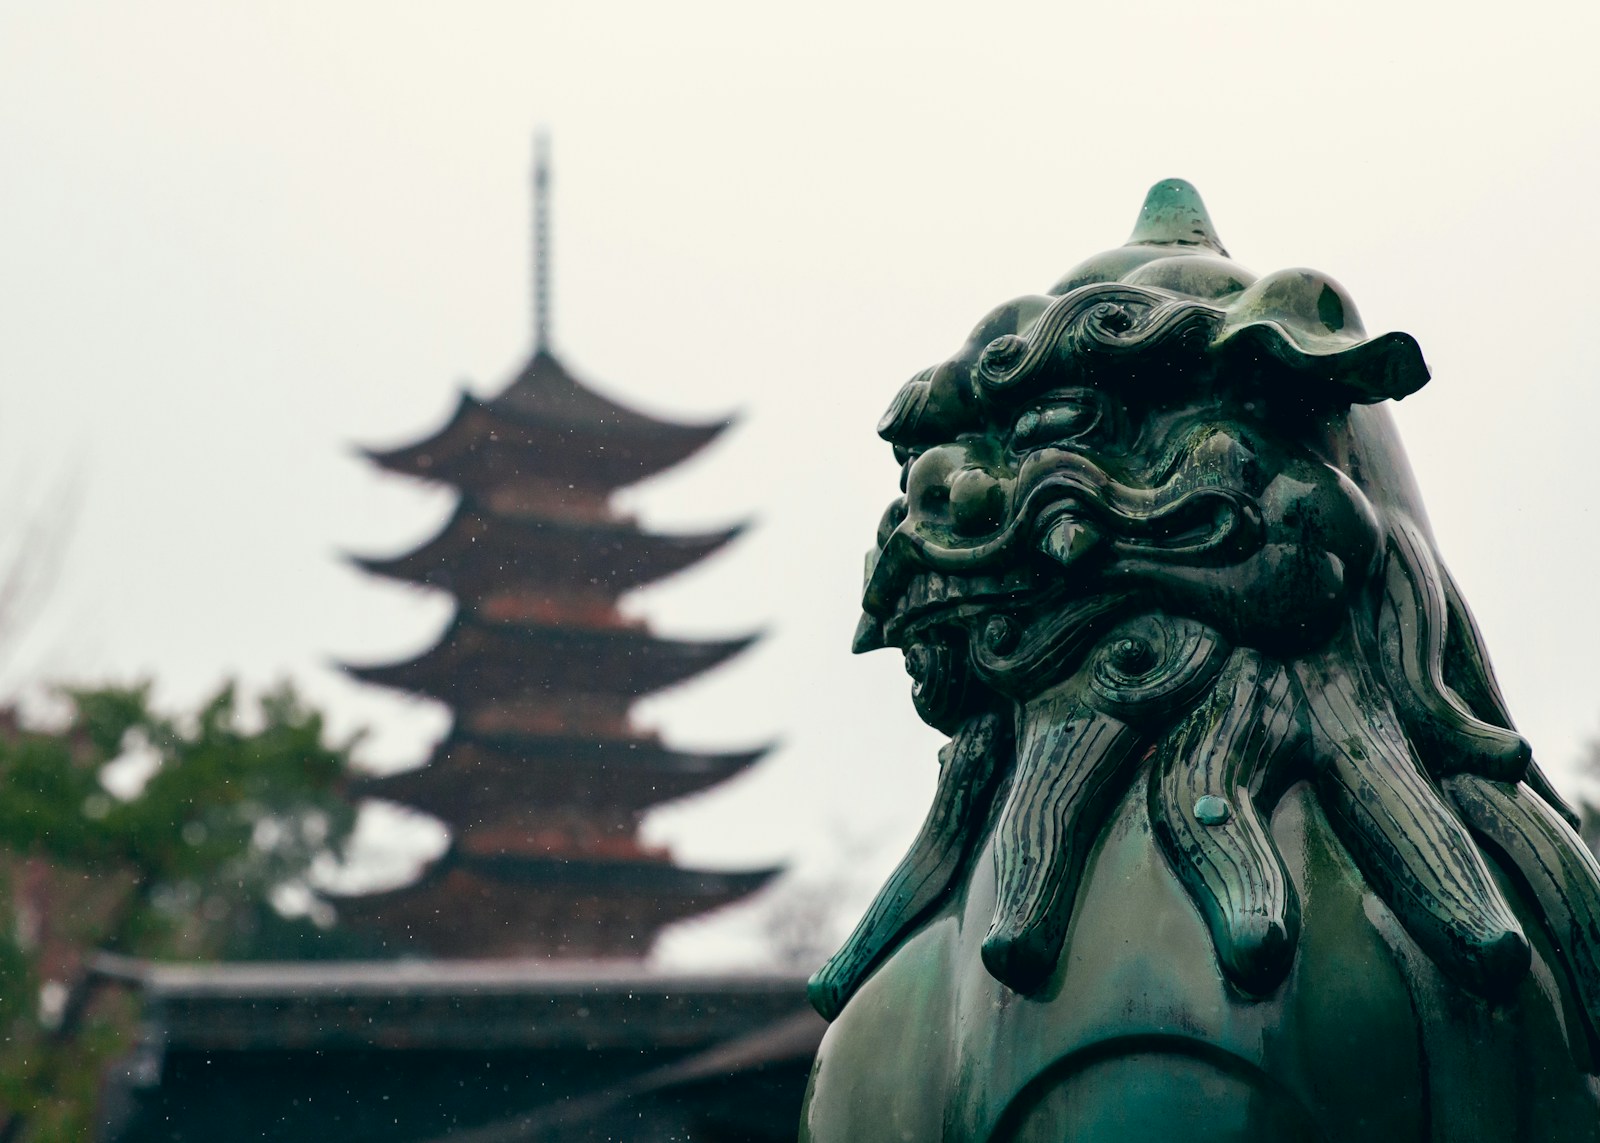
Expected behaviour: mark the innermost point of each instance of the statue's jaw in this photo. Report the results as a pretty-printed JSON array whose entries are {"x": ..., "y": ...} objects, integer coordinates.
[
  {"x": 915, "y": 582},
  {"x": 932, "y": 599},
  {"x": 1071, "y": 526}
]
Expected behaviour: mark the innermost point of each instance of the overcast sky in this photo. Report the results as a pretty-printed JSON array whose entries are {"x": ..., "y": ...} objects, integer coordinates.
[{"x": 238, "y": 239}]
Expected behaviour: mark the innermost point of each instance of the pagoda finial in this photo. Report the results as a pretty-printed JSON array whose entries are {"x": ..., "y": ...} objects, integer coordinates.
[{"x": 541, "y": 242}]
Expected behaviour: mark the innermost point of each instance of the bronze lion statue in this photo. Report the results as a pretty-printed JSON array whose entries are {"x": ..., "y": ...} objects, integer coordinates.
[{"x": 1234, "y": 838}]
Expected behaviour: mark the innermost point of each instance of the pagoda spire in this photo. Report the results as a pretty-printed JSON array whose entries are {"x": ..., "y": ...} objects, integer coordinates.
[{"x": 541, "y": 243}]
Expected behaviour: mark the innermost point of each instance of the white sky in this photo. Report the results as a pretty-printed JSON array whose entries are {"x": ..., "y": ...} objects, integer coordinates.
[{"x": 237, "y": 239}]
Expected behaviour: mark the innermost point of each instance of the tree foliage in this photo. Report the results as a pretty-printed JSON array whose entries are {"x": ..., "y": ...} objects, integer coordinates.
[{"x": 124, "y": 831}]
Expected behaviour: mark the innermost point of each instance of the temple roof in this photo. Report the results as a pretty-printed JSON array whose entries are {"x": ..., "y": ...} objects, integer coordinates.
[
  {"x": 546, "y": 393},
  {"x": 409, "y": 1004},
  {"x": 521, "y": 1049},
  {"x": 547, "y": 424},
  {"x": 500, "y": 905},
  {"x": 478, "y": 552},
  {"x": 475, "y": 661},
  {"x": 478, "y": 779}
]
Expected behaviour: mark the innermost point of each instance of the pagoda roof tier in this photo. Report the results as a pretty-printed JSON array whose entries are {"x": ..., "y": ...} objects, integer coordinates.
[
  {"x": 472, "y": 906},
  {"x": 472, "y": 779},
  {"x": 547, "y": 423},
  {"x": 477, "y": 661},
  {"x": 477, "y": 553}
]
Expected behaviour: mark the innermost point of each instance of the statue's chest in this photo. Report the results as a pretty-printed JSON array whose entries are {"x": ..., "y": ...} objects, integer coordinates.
[{"x": 1137, "y": 1036}]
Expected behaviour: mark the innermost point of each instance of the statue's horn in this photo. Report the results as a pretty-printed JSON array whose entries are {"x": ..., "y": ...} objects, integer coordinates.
[{"x": 1174, "y": 215}]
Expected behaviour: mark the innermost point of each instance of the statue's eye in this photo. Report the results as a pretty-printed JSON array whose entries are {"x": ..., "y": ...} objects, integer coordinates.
[{"x": 1055, "y": 421}]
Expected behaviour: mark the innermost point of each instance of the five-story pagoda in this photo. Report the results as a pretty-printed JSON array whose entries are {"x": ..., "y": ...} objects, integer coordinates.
[{"x": 542, "y": 779}]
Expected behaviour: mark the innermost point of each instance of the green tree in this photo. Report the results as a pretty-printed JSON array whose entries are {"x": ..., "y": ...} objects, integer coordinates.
[{"x": 228, "y": 810}]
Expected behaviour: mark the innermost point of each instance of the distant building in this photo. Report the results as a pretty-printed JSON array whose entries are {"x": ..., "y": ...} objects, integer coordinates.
[
  {"x": 462, "y": 1052},
  {"x": 542, "y": 779},
  {"x": 532, "y": 1016}
]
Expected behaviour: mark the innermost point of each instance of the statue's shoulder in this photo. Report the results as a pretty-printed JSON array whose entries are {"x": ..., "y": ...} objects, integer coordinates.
[
  {"x": 884, "y": 1065},
  {"x": 1137, "y": 1029}
]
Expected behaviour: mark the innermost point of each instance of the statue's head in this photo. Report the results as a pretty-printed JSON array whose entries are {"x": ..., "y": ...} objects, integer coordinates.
[
  {"x": 1156, "y": 526},
  {"x": 1162, "y": 428}
]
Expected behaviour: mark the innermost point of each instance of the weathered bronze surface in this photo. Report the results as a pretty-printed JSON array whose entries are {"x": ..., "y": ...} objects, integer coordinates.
[{"x": 1233, "y": 838}]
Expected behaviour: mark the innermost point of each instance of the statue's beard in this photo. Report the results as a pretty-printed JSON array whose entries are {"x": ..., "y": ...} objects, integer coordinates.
[
  {"x": 1060, "y": 700},
  {"x": 1226, "y": 731},
  {"x": 1217, "y": 733}
]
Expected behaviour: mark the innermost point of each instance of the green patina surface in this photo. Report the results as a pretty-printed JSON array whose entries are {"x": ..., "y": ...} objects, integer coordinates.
[{"x": 1234, "y": 838}]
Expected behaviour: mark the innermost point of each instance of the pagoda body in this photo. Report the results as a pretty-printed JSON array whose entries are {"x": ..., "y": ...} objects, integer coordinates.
[{"x": 542, "y": 779}]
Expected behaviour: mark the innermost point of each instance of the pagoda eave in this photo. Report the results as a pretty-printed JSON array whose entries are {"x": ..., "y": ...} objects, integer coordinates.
[
  {"x": 514, "y": 906},
  {"x": 485, "y": 441},
  {"x": 468, "y": 783},
  {"x": 476, "y": 661},
  {"x": 477, "y": 552},
  {"x": 546, "y": 393}
]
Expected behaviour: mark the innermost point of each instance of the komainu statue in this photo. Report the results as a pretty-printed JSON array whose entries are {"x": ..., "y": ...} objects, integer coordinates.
[{"x": 1234, "y": 838}]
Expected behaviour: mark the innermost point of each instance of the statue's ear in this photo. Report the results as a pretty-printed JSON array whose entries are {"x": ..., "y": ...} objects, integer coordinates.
[
  {"x": 945, "y": 400},
  {"x": 932, "y": 407},
  {"x": 1303, "y": 323}
]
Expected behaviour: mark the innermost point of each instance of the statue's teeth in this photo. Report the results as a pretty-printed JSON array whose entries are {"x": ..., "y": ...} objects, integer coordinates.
[
  {"x": 1067, "y": 540},
  {"x": 928, "y": 588},
  {"x": 869, "y": 635}
]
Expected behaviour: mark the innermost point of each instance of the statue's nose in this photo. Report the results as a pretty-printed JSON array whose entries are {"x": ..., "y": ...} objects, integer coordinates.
[
  {"x": 950, "y": 489},
  {"x": 977, "y": 502}
]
